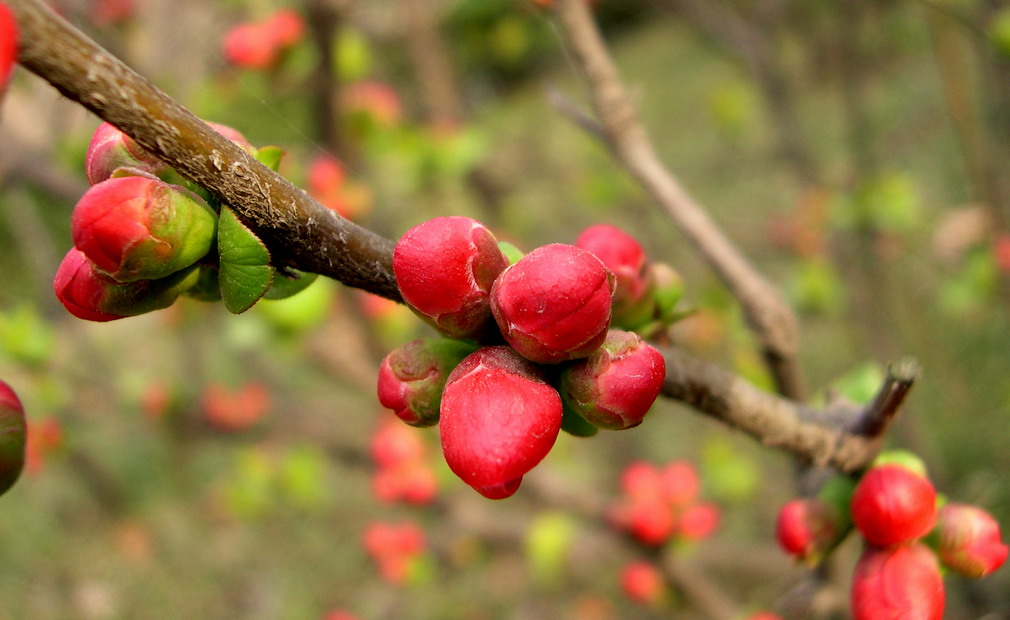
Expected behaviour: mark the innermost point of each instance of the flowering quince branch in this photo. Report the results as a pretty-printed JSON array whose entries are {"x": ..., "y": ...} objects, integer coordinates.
[
  {"x": 303, "y": 234},
  {"x": 298, "y": 230}
]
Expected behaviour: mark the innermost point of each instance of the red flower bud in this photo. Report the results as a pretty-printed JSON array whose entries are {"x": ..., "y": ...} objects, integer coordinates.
[
  {"x": 642, "y": 583},
  {"x": 141, "y": 228},
  {"x": 394, "y": 445},
  {"x": 892, "y": 505},
  {"x": 12, "y": 437},
  {"x": 90, "y": 294},
  {"x": 110, "y": 149},
  {"x": 554, "y": 304},
  {"x": 499, "y": 419},
  {"x": 698, "y": 521},
  {"x": 445, "y": 268},
  {"x": 806, "y": 528},
  {"x": 968, "y": 540},
  {"x": 411, "y": 377},
  {"x": 617, "y": 384},
  {"x": 624, "y": 256},
  {"x": 899, "y": 582},
  {"x": 8, "y": 45}
]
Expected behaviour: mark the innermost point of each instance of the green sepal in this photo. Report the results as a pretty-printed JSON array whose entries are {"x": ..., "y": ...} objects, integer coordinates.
[
  {"x": 576, "y": 425},
  {"x": 270, "y": 156},
  {"x": 286, "y": 286},
  {"x": 245, "y": 273},
  {"x": 207, "y": 287},
  {"x": 511, "y": 252}
]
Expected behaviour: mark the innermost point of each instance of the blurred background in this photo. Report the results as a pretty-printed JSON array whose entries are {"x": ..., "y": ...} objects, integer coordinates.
[{"x": 194, "y": 463}]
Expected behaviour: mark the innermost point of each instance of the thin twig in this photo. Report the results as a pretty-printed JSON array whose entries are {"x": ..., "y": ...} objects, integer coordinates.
[{"x": 769, "y": 316}]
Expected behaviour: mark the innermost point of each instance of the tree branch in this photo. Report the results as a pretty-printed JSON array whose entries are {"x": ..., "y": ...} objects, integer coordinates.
[
  {"x": 305, "y": 235},
  {"x": 767, "y": 313},
  {"x": 783, "y": 423},
  {"x": 299, "y": 231}
]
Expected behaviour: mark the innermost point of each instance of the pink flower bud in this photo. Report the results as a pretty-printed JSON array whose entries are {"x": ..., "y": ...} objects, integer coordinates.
[
  {"x": 624, "y": 256},
  {"x": 806, "y": 528},
  {"x": 554, "y": 304},
  {"x": 141, "y": 228},
  {"x": 12, "y": 437},
  {"x": 111, "y": 149},
  {"x": 968, "y": 540},
  {"x": 499, "y": 419},
  {"x": 617, "y": 384},
  {"x": 445, "y": 268},
  {"x": 90, "y": 294},
  {"x": 642, "y": 583},
  {"x": 898, "y": 582},
  {"x": 8, "y": 45},
  {"x": 892, "y": 505},
  {"x": 411, "y": 377}
]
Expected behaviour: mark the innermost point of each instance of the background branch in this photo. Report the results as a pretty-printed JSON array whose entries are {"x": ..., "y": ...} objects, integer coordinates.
[{"x": 767, "y": 313}]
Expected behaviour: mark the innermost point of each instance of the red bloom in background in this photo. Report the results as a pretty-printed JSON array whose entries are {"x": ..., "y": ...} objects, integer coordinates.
[
  {"x": 233, "y": 410},
  {"x": 44, "y": 437},
  {"x": 259, "y": 45},
  {"x": 394, "y": 547}
]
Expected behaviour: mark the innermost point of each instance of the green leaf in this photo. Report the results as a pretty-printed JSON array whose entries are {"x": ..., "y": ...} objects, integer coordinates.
[
  {"x": 245, "y": 273},
  {"x": 270, "y": 156},
  {"x": 286, "y": 286}
]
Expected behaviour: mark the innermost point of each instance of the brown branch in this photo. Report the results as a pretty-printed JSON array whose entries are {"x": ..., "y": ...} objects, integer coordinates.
[
  {"x": 767, "y": 313},
  {"x": 782, "y": 423},
  {"x": 298, "y": 230},
  {"x": 305, "y": 235}
]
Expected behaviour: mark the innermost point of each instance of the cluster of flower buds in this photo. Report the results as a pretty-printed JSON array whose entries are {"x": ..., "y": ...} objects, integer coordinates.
[
  {"x": 404, "y": 472},
  {"x": 396, "y": 548},
  {"x": 233, "y": 410},
  {"x": 260, "y": 45},
  {"x": 142, "y": 238},
  {"x": 12, "y": 437},
  {"x": 908, "y": 533},
  {"x": 8, "y": 45},
  {"x": 526, "y": 350},
  {"x": 660, "y": 504}
]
